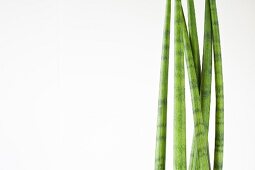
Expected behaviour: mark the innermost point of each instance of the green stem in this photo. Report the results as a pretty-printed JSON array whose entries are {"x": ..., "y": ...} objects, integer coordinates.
[
  {"x": 196, "y": 56},
  {"x": 206, "y": 79},
  {"x": 193, "y": 38},
  {"x": 179, "y": 95},
  {"x": 160, "y": 153},
  {"x": 219, "y": 120},
  {"x": 200, "y": 131}
]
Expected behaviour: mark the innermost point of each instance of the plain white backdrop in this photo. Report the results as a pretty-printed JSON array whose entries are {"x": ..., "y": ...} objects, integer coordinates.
[{"x": 79, "y": 84}]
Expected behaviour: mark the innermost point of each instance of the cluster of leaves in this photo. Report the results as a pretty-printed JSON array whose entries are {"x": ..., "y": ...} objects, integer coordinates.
[{"x": 186, "y": 47}]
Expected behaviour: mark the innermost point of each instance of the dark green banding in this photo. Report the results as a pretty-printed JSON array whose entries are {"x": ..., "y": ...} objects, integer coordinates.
[
  {"x": 200, "y": 131},
  {"x": 193, "y": 38},
  {"x": 206, "y": 79},
  {"x": 160, "y": 150},
  {"x": 219, "y": 119},
  {"x": 192, "y": 27},
  {"x": 179, "y": 94}
]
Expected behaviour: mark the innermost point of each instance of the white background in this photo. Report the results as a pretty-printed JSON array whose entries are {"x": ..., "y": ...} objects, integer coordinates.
[{"x": 79, "y": 84}]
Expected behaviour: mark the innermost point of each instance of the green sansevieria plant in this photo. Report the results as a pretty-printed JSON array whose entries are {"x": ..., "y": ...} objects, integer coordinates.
[
  {"x": 186, "y": 52},
  {"x": 163, "y": 88}
]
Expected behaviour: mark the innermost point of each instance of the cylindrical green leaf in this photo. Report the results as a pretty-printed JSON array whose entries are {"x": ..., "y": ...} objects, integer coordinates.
[
  {"x": 200, "y": 131},
  {"x": 193, "y": 38},
  {"x": 206, "y": 79},
  {"x": 160, "y": 153},
  {"x": 179, "y": 94},
  {"x": 219, "y": 119}
]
